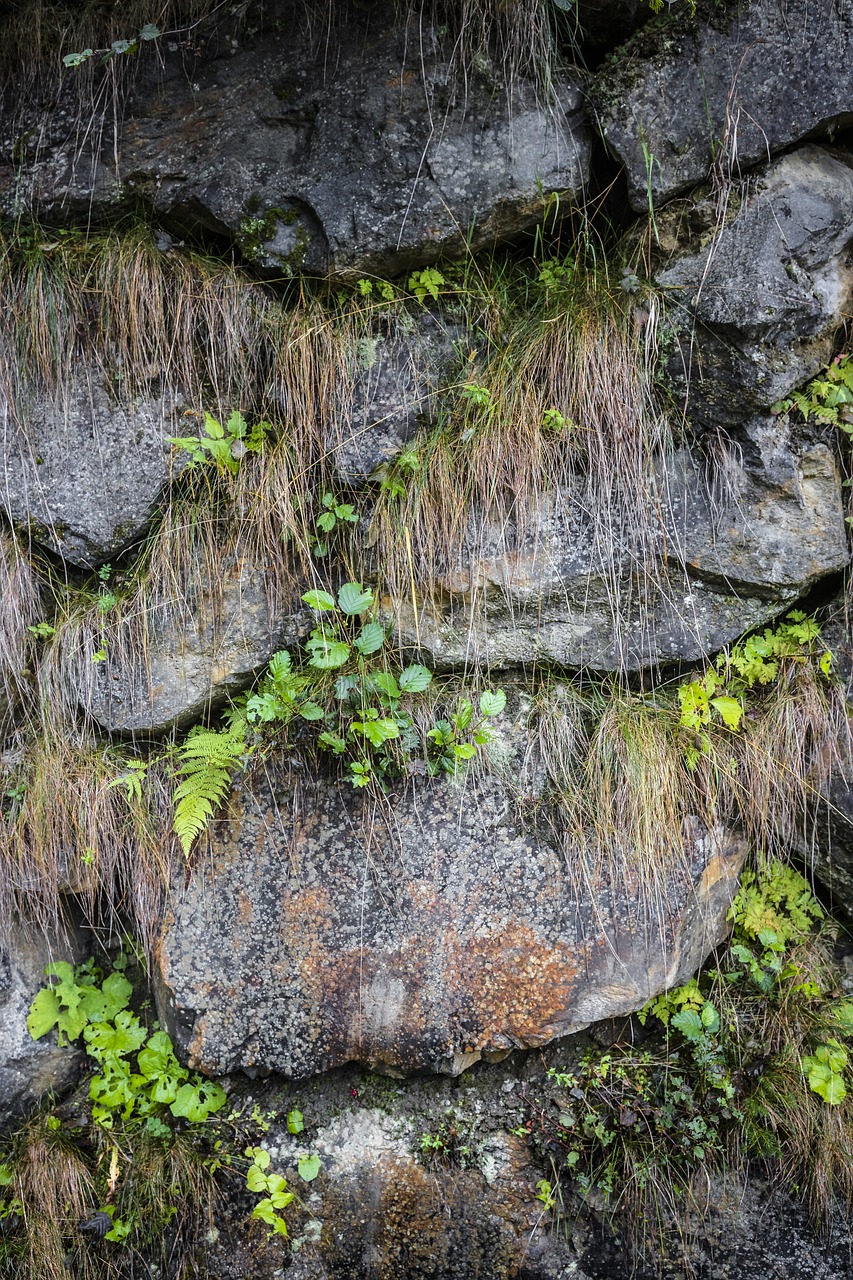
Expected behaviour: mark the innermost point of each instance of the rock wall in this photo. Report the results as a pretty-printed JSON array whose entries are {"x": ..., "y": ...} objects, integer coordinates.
[{"x": 509, "y": 339}]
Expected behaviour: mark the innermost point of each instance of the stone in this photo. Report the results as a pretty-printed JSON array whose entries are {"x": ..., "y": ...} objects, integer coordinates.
[
  {"x": 83, "y": 474},
  {"x": 759, "y": 306},
  {"x": 685, "y": 95},
  {"x": 196, "y": 652},
  {"x": 721, "y": 560},
  {"x": 350, "y": 155},
  {"x": 30, "y": 1068},
  {"x": 421, "y": 935},
  {"x": 396, "y": 379}
]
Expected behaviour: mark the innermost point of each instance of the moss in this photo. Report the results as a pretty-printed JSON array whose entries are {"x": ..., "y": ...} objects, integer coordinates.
[{"x": 257, "y": 229}]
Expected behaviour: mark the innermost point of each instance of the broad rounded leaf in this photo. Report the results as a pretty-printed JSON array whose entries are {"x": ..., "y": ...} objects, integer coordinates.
[
  {"x": 353, "y": 600},
  {"x": 492, "y": 702},
  {"x": 308, "y": 1168},
  {"x": 370, "y": 639},
  {"x": 43, "y": 1014},
  {"x": 295, "y": 1121},
  {"x": 415, "y": 678},
  {"x": 311, "y": 711},
  {"x": 319, "y": 600},
  {"x": 328, "y": 654}
]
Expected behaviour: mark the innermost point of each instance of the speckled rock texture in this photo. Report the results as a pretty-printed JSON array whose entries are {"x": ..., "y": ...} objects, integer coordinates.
[
  {"x": 685, "y": 97},
  {"x": 351, "y": 154},
  {"x": 759, "y": 305},
  {"x": 82, "y": 474},
  {"x": 421, "y": 933},
  {"x": 194, "y": 652},
  {"x": 730, "y": 544},
  {"x": 29, "y": 1068},
  {"x": 395, "y": 386}
]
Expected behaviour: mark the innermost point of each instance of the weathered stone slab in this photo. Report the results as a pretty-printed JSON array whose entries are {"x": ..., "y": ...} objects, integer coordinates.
[
  {"x": 760, "y": 304},
  {"x": 685, "y": 94},
  {"x": 712, "y": 566},
  {"x": 82, "y": 474},
  {"x": 420, "y": 935},
  {"x": 348, "y": 155}
]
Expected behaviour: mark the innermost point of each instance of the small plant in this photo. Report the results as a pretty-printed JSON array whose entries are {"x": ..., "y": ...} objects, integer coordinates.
[
  {"x": 719, "y": 695},
  {"x": 205, "y": 762},
  {"x": 332, "y": 518},
  {"x": 827, "y": 398},
  {"x": 148, "y": 32},
  {"x": 273, "y": 1188},
  {"x": 224, "y": 446},
  {"x": 383, "y": 288},
  {"x": 427, "y": 282}
]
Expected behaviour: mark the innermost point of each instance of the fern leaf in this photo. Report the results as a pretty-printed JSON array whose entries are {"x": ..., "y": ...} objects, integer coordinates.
[{"x": 206, "y": 759}]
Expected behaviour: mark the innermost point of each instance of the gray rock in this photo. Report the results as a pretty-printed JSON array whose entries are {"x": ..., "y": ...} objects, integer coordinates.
[
  {"x": 83, "y": 475},
  {"x": 348, "y": 155},
  {"x": 717, "y": 562},
  {"x": 29, "y": 1068},
  {"x": 684, "y": 95},
  {"x": 422, "y": 936},
  {"x": 395, "y": 382},
  {"x": 192, "y": 655},
  {"x": 761, "y": 303}
]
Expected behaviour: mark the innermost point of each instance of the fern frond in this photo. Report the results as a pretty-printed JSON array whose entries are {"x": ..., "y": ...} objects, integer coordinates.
[{"x": 206, "y": 759}]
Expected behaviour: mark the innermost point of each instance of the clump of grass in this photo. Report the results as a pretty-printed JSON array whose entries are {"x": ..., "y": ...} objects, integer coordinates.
[
  {"x": 21, "y": 593},
  {"x": 561, "y": 414},
  {"x": 55, "y": 1191},
  {"x": 66, "y": 827}
]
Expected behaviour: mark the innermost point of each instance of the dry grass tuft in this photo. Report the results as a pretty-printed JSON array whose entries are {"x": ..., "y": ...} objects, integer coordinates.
[
  {"x": 563, "y": 400},
  {"x": 67, "y": 829}
]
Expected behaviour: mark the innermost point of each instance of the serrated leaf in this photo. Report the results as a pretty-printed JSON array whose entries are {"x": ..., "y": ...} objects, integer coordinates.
[
  {"x": 43, "y": 1014},
  {"x": 327, "y": 521},
  {"x": 376, "y": 731},
  {"x": 385, "y": 683},
  {"x": 326, "y": 654},
  {"x": 415, "y": 678},
  {"x": 196, "y": 1102},
  {"x": 730, "y": 710},
  {"x": 688, "y": 1022},
  {"x": 353, "y": 599},
  {"x": 319, "y": 600},
  {"x": 492, "y": 703},
  {"x": 311, "y": 711},
  {"x": 370, "y": 639},
  {"x": 149, "y": 32}
]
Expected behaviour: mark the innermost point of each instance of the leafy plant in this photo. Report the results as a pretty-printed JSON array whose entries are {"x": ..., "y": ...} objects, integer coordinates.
[
  {"x": 205, "y": 761},
  {"x": 273, "y": 1188},
  {"x": 333, "y": 516},
  {"x": 827, "y": 398},
  {"x": 148, "y": 32},
  {"x": 429, "y": 281},
  {"x": 224, "y": 446}
]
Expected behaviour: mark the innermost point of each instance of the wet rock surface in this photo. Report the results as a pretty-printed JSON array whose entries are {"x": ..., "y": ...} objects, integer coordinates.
[
  {"x": 82, "y": 474},
  {"x": 686, "y": 95},
  {"x": 420, "y": 934},
  {"x": 733, "y": 548},
  {"x": 760, "y": 305},
  {"x": 30, "y": 1068},
  {"x": 331, "y": 162}
]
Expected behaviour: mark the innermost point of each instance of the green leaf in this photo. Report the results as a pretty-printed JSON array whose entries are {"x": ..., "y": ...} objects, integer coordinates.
[
  {"x": 295, "y": 1121},
  {"x": 689, "y": 1023},
  {"x": 415, "y": 679},
  {"x": 195, "y": 1102},
  {"x": 124, "y": 1036},
  {"x": 150, "y": 32},
  {"x": 326, "y": 652},
  {"x": 327, "y": 521},
  {"x": 353, "y": 599},
  {"x": 492, "y": 703},
  {"x": 370, "y": 639},
  {"x": 256, "y": 1179},
  {"x": 311, "y": 711},
  {"x": 385, "y": 683},
  {"x": 464, "y": 750},
  {"x": 236, "y": 425},
  {"x": 319, "y": 600},
  {"x": 377, "y": 731},
  {"x": 332, "y": 742},
  {"x": 308, "y": 1168},
  {"x": 43, "y": 1014},
  {"x": 74, "y": 59}
]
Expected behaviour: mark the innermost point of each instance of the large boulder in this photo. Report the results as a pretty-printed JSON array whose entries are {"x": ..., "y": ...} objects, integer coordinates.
[
  {"x": 83, "y": 471},
  {"x": 685, "y": 95},
  {"x": 350, "y": 154},
  {"x": 759, "y": 304},
  {"x": 720, "y": 558},
  {"x": 419, "y": 934}
]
